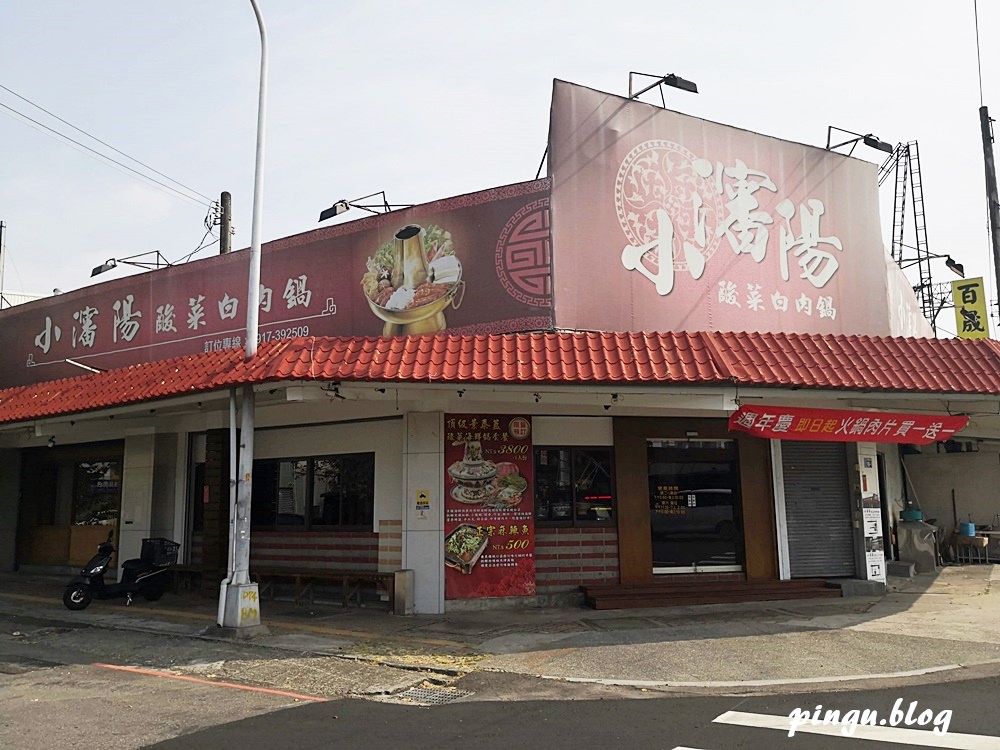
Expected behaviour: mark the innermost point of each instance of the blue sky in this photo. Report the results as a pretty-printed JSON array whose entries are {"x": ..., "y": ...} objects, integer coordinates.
[{"x": 430, "y": 99}]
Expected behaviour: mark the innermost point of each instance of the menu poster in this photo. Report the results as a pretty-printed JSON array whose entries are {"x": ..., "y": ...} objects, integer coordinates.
[
  {"x": 489, "y": 528},
  {"x": 871, "y": 516}
]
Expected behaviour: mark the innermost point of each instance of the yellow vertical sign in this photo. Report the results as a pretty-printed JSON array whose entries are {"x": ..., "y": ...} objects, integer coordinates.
[{"x": 970, "y": 308}]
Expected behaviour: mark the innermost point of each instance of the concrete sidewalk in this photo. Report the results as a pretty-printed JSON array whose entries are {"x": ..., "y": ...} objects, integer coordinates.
[{"x": 935, "y": 625}]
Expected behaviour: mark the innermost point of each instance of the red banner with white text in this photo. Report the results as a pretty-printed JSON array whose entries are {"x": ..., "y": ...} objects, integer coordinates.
[{"x": 841, "y": 426}]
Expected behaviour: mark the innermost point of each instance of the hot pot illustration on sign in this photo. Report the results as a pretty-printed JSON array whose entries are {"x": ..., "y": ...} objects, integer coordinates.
[
  {"x": 478, "y": 481},
  {"x": 412, "y": 280}
]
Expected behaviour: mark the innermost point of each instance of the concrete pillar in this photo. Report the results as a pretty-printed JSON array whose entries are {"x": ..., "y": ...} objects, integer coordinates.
[
  {"x": 10, "y": 491},
  {"x": 423, "y": 509},
  {"x": 137, "y": 494}
]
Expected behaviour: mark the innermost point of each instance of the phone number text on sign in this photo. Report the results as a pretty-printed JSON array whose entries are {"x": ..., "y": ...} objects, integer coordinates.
[{"x": 282, "y": 333}]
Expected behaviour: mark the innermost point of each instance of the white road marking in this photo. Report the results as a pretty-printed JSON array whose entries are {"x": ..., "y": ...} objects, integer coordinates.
[{"x": 899, "y": 735}]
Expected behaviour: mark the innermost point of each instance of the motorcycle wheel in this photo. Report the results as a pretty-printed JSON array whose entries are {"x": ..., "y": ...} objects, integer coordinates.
[
  {"x": 153, "y": 591},
  {"x": 78, "y": 597}
]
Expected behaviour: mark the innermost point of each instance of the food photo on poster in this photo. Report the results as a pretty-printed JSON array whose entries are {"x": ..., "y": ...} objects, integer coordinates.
[{"x": 489, "y": 524}]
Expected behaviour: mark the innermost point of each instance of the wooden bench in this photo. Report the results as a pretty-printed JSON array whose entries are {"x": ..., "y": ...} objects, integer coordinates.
[
  {"x": 303, "y": 581},
  {"x": 184, "y": 576}
]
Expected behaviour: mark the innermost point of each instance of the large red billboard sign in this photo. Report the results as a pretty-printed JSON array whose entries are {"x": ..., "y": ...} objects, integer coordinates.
[
  {"x": 477, "y": 263},
  {"x": 691, "y": 225},
  {"x": 841, "y": 426}
]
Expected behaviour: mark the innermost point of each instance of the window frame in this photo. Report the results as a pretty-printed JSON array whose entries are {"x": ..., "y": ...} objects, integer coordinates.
[
  {"x": 573, "y": 521},
  {"x": 309, "y": 522}
]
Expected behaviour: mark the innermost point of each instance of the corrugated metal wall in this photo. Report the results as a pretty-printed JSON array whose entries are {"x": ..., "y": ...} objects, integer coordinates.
[{"x": 818, "y": 509}]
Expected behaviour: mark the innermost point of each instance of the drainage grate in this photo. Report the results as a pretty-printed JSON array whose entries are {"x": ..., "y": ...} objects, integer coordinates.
[{"x": 424, "y": 696}]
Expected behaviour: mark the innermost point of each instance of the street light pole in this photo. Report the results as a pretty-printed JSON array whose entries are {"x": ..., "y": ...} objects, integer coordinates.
[
  {"x": 239, "y": 600},
  {"x": 992, "y": 200}
]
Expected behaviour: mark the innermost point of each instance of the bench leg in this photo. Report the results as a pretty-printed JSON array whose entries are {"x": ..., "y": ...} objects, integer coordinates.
[
  {"x": 352, "y": 590},
  {"x": 264, "y": 585}
]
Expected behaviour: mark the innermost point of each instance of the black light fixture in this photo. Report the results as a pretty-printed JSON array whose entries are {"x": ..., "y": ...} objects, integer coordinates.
[
  {"x": 673, "y": 80},
  {"x": 866, "y": 138},
  {"x": 132, "y": 260},
  {"x": 333, "y": 391},
  {"x": 344, "y": 205},
  {"x": 341, "y": 206},
  {"x": 52, "y": 442},
  {"x": 953, "y": 265}
]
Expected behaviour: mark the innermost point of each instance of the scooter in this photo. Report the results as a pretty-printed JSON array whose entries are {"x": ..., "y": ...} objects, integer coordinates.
[{"x": 147, "y": 576}]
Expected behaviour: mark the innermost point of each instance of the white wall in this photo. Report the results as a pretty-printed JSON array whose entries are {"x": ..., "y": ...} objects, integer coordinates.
[
  {"x": 973, "y": 477},
  {"x": 572, "y": 431},
  {"x": 423, "y": 529},
  {"x": 137, "y": 494}
]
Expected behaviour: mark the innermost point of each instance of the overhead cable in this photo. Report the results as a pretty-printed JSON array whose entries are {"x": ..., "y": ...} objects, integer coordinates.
[{"x": 190, "y": 191}]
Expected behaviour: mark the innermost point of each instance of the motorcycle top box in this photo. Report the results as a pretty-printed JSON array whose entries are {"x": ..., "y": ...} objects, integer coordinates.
[{"x": 146, "y": 576}]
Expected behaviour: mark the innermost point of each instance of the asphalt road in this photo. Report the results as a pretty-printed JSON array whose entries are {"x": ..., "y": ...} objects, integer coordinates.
[
  {"x": 64, "y": 686},
  {"x": 964, "y": 714}
]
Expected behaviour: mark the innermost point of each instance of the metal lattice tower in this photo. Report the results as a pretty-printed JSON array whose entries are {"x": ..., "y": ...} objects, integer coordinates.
[{"x": 905, "y": 162}]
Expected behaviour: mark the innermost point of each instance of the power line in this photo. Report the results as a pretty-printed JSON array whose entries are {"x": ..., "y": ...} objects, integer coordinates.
[{"x": 104, "y": 156}]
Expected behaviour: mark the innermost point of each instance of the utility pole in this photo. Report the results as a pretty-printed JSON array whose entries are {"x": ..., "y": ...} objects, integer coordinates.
[
  {"x": 239, "y": 604},
  {"x": 3, "y": 239},
  {"x": 226, "y": 224},
  {"x": 991, "y": 192}
]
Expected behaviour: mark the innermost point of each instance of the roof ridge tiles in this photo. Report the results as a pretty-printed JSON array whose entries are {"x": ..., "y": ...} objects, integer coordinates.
[{"x": 880, "y": 363}]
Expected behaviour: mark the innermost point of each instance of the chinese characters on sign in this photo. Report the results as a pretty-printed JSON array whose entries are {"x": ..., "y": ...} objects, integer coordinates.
[
  {"x": 309, "y": 286},
  {"x": 668, "y": 501},
  {"x": 709, "y": 203},
  {"x": 192, "y": 314},
  {"x": 792, "y": 423},
  {"x": 970, "y": 309},
  {"x": 871, "y": 517},
  {"x": 489, "y": 529},
  {"x": 871, "y": 513}
]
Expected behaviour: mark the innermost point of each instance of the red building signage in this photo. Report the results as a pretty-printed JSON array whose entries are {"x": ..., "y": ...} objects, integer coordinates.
[
  {"x": 666, "y": 222},
  {"x": 833, "y": 425},
  {"x": 477, "y": 263},
  {"x": 489, "y": 527}
]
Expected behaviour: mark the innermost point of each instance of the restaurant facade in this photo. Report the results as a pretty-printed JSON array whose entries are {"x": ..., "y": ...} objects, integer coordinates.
[{"x": 683, "y": 356}]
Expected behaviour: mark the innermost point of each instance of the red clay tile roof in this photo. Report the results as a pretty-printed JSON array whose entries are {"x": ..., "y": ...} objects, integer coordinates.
[{"x": 754, "y": 359}]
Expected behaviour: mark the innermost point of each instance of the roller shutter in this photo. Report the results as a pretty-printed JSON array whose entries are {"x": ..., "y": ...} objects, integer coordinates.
[{"x": 818, "y": 509}]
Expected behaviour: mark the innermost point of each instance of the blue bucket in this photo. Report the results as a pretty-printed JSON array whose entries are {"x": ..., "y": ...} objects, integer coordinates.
[{"x": 967, "y": 529}]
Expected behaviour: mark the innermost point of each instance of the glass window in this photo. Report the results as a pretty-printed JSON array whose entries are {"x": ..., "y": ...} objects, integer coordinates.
[
  {"x": 694, "y": 504},
  {"x": 317, "y": 492},
  {"x": 97, "y": 489},
  {"x": 574, "y": 486}
]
